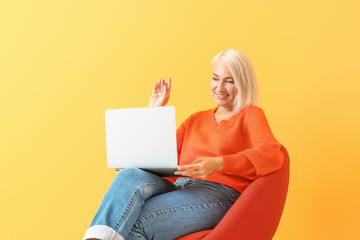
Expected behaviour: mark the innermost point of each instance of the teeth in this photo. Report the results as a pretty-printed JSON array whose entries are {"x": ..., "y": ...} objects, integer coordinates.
[{"x": 221, "y": 95}]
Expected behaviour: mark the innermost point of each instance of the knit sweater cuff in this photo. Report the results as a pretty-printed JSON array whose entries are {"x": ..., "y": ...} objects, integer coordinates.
[{"x": 239, "y": 165}]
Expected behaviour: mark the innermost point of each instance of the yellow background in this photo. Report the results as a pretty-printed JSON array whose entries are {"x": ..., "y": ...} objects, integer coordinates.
[{"x": 62, "y": 63}]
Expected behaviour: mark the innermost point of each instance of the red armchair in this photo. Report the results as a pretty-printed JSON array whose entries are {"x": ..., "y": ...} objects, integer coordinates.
[{"x": 257, "y": 212}]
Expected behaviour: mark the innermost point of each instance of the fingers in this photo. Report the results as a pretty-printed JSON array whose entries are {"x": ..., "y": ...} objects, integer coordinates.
[
  {"x": 185, "y": 173},
  {"x": 201, "y": 167},
  {"x": 169, "y": 85},
  {"x": 161, "y": 84},
  {"x": 155, "y": 89},
  {"x": 188, "y": 170},
  {"x": 189, "y": 167},
  {"x": 164, "y": 92},
  {"x": 162, "y": 87},
  {"x": 192, "y": 174},
  {"x": 165, "y": 86}
]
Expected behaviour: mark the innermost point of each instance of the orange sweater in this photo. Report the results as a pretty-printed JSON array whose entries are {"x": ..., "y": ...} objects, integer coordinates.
[{"x": 245, "y": 142}]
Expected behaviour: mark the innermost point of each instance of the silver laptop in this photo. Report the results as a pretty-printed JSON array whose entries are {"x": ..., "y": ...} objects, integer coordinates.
[{"x": 142, "y": 138}]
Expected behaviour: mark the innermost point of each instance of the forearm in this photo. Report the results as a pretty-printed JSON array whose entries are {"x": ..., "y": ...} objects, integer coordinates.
[{"x": 254, "y": 162}]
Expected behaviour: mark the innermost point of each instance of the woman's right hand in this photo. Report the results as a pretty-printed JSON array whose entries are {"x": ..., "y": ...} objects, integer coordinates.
[{"x": 161, "y": 93}]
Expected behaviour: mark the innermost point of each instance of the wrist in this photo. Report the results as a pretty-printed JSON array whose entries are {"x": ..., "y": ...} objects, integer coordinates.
[{"x": 220, "y": 163}]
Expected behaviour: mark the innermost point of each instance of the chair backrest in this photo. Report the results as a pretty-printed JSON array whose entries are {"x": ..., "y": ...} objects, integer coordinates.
[{"x": 257, "y": 212}]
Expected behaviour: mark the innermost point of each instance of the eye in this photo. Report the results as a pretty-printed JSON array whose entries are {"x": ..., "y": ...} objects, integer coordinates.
[
  {"x": 229, "y": 81},
  {"x": 215, "y": 79}
]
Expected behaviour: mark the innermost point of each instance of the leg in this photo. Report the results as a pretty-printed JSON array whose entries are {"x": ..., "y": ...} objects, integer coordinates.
[
  {"x": 121, "y": 205},
  {"x": 197, "y": 206}
]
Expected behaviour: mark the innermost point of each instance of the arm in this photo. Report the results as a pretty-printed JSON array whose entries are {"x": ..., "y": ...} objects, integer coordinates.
[{"x": 261, "y": 157}]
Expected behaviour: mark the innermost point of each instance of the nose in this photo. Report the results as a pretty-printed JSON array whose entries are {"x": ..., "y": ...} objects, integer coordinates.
[{"x": 221, "y": 86}]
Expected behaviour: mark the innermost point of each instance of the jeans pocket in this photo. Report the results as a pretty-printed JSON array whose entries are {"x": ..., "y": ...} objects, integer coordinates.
[{"x": 183, "y": 183}]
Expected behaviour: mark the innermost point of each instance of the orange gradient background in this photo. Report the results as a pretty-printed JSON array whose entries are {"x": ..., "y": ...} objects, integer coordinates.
[{"x": 63, "y": 63}]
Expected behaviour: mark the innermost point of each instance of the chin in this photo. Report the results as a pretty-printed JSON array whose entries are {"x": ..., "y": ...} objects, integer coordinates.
[{"x": 222, "y": 104}]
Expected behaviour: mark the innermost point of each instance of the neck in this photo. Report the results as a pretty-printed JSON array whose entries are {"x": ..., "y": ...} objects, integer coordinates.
[{"x": 225, "y": 110}]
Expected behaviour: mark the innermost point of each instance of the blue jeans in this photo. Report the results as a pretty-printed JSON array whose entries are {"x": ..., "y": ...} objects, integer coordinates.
[{"x": 141, "y": 205}]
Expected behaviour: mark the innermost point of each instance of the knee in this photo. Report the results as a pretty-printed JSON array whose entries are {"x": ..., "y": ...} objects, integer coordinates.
[
  {"x": 131, "y": 173},
  {"x": 133, "y": 176},
  {"x": 143, "y": 182}
]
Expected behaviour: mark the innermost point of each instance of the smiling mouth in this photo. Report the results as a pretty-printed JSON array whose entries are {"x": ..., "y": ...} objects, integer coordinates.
[{"x": 221, "y": 96}]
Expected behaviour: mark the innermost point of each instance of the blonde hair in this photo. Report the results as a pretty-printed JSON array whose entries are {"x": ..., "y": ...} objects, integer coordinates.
[{"x": 243, "y": 73}]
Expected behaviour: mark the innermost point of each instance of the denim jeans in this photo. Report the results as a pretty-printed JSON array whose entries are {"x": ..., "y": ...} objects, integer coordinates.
[{"x": 141, "y": 205}]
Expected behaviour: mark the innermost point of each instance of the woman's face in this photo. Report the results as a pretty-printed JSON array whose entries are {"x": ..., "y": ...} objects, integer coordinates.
[{"x": 223, "y": 88}]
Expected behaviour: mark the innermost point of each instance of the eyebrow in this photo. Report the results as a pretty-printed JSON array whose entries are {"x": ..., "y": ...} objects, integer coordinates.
[{"x": 225, "y": 78}]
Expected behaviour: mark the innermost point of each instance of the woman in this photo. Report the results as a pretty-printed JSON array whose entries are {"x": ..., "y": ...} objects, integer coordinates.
[{"x": 220, "y": 152}]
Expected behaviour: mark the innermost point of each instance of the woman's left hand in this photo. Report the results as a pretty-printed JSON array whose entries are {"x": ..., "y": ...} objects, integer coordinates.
[{"x": 201, "y": 167}]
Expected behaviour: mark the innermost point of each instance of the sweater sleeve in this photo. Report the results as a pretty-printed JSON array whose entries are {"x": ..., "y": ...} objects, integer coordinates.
[{"x": 263, "y": 155}]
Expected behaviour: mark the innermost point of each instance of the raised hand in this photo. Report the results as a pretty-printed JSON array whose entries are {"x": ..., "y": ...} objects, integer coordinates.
[{"x": 161, "y": 93}]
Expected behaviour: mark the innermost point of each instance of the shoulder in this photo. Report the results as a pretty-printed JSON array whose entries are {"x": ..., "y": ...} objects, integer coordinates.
[
  {"x": 249, "y": 112},
  {"x": 253, "y": 108},
  {"x": 254, "y": 115},
  {"x": 253, "y": 111}
]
